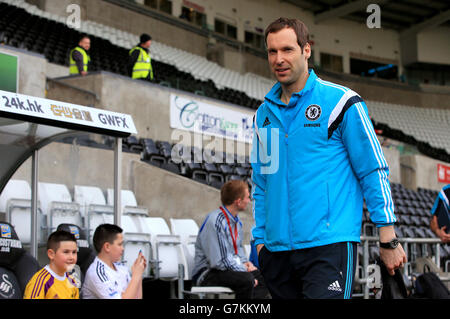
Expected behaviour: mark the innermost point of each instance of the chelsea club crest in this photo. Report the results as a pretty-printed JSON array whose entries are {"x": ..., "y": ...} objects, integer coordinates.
[{"x": 313, "y": 112}]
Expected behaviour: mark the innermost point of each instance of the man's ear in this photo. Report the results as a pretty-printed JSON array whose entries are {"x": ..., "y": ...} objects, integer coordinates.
[
  {"x": 106, "y": 247},
  {"x": 307, "y": 50}
]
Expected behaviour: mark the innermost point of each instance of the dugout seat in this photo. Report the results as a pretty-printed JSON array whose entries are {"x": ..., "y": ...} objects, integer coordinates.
[
  {"x": 187, "y": 229},
  {"x": 167, "y": 252},
  {"x": 93, "y": 207},
  {"x": 57, "y": 205},
  {"x": 136, "y": 239},
  {"x": 17, "y": 266},
  {"x": 166, "y": 248},
  {"x": 15, "y": 202},
  {"x": 128, "y": 200}
]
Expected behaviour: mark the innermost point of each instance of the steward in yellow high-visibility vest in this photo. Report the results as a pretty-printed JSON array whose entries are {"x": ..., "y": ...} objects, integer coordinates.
[
  {"x": 79, "y": 59},
  {"x": 140, "y": 62}
]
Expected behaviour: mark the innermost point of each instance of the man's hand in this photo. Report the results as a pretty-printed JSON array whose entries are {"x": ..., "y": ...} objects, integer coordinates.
[
  {"x": 392, "y": 258},
  {"x": 440, "y": 232},
  {"x": 250, "y": 267},
  {"x": 83, "y": 73}
]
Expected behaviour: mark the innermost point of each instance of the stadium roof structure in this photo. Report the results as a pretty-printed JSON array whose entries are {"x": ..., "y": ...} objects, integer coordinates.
[
  {"x": 410, "y": 16},
  {"x": 29, "y": 123}
]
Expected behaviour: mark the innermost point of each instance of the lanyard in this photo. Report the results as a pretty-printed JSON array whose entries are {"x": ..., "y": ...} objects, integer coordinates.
[{"x": 233, "y": 238}]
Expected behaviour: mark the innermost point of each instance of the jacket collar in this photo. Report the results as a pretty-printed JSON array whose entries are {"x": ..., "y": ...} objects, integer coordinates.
[
  {"x": 230, "y": 216},
  {"x": 274, "y": 95},
  {"x": 145, "y": 49}
]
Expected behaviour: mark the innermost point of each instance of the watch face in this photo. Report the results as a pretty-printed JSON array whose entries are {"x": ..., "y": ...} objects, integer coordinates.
[{"x": 394, "y": 243}]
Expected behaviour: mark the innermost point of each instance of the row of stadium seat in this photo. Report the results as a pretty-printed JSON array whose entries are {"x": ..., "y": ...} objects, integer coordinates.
[
  {"x": 198, "y": 66},
  {"x": 412, "y": 210},
  {"x": 427, "y": 125},
  {"x": 204, "y": 166},
  {"x": 55, "y": 40},
  {"x": 89, "y": 209}
]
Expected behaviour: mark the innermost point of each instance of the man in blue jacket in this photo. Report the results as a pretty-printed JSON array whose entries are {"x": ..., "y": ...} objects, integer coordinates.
[
  {"x": 315, "y": 157},
  {"x": 440, "y": 213}
]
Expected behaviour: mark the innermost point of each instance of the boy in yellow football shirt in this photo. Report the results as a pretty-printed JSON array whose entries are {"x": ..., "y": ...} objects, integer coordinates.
[{"x": 53, "y": 281}]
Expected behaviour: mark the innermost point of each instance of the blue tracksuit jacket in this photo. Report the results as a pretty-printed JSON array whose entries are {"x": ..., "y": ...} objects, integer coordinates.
[
  {"x": 314, "y": 161},
  {"x": 441, "y": 207}
]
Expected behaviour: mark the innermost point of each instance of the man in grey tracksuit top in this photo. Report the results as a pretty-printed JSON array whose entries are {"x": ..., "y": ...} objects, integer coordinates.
[{"x": 220, "y": 259}]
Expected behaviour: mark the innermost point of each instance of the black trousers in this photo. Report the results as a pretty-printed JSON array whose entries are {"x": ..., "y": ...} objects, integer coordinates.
[
  {"x": 241, "y": 282},
  {"x": 318, "y": 272}
]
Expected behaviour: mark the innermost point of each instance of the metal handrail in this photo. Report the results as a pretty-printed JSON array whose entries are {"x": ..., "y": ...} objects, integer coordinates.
[{"x": 365, "y": 240}]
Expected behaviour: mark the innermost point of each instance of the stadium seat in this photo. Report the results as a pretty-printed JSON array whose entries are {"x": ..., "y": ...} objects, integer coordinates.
[
  {"x": 93, "y": 207},
  {"x": 187, "y": 229},
  {"x": 166, "y": 248},
  {"x": 132, "y": 144},
  {"x": 56, "y": 203},
  {"x": 15, "y": 201},
  {"x": 214, "y": 178},
  {"x": 171, "y": 167},
  {"x": 17, "y": 266},
  {"x": 199, "y": 175},
  {"x": 151, "y": 153},
  {"x": 88, "y": 195},
  {"x": 136, "y": 239},
  {"x": 128, "y": 200},
  {"x": 165, "y": 149},
  {"x": 181, "y": 154}
]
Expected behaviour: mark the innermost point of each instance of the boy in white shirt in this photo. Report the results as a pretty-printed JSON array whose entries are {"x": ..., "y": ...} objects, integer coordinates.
[{"x": 106, "y": 277}]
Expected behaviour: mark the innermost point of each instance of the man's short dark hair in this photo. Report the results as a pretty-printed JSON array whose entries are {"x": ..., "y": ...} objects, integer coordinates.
[
  {"x": 57, "y": 237},
  {"x": 105, "y": 233},
  {"x": 300, "y": 29},
  {"x": 232, "y": 190},
  {"x": 84, "y": 36},
  {"x": 144, "y": 37}
]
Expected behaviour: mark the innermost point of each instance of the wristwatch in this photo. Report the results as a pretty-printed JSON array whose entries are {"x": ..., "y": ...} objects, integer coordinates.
[{"x": 391, "y": 244}]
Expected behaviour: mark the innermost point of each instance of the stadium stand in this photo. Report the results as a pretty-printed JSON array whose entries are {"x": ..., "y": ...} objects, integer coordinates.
[
  {"x": 54, "y": 39},
  {"x": 25, "y": 26}
]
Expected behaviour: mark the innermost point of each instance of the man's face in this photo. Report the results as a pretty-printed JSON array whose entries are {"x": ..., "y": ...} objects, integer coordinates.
[
  {"x": 85, "y": 43},
  {"x": 286, "y": 60},
  {"x": 243, "y": 202},
  {"x": 147, "y": 44}
]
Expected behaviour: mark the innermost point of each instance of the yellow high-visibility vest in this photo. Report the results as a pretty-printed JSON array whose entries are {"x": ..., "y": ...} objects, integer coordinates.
[
  {"x": 73, "y": 69},
  {"x": 143, "y": 66}
]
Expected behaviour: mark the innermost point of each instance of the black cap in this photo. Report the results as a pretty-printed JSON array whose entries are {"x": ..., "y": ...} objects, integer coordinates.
[{"x": 145, "y": 37}]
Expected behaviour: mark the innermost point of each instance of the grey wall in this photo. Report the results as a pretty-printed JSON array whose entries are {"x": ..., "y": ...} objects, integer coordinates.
[
  {"x": 420, "y": 171},
  {"x": 32, "y": 71}
]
